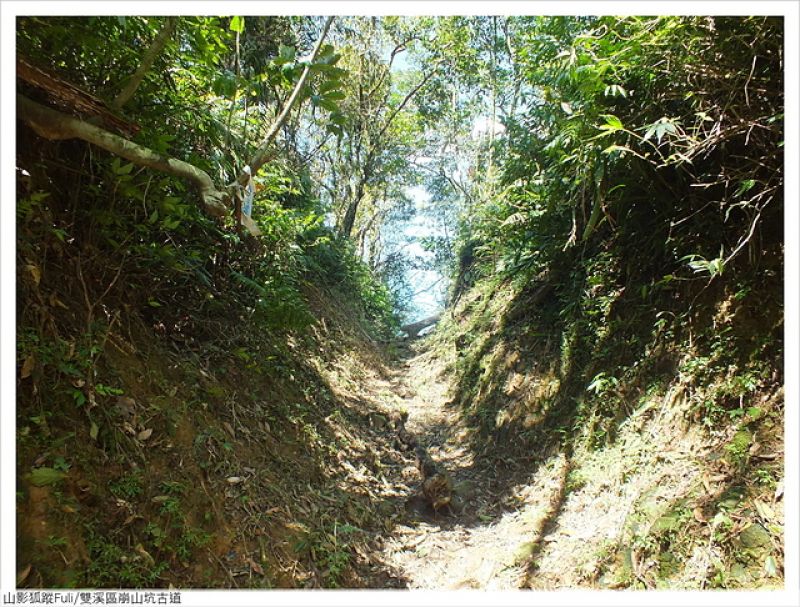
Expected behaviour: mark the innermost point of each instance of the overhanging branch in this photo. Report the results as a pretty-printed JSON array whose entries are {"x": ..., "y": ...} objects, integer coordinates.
[{"x": 54, "y": 125}]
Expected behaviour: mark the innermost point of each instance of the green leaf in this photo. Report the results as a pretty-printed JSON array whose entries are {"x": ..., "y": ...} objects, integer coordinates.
[
  {"x": 329, "y": 86},
  {"x": 331, "y": 70},
  {"x": 237, "y": 24},
  {"x": 661, "y": 127},
  {"x": 286, "y": 53},
  {"x": 79, "y": 396},
  {"x": 612, "y": 123},
  {"x": 615, "y": 90},
  {"x": 754, "y": 412},
  {"x": 328, "y": 105},
  {"x": 567, "y": 108},
  {"x": 616, "y": 148},
  {"x": 46, "y": 476},
  {"x": 744, "y": 186},
  {"x": 93, "y": 430}
]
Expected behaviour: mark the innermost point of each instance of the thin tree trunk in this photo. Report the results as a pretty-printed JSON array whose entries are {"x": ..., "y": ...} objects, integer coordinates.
[
  {"x": 158, "y": 44},
  {"x": 265, "y": 153}
]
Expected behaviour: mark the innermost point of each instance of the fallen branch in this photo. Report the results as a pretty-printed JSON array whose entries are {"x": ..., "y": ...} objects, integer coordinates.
[{"x": 414, "y": 328}]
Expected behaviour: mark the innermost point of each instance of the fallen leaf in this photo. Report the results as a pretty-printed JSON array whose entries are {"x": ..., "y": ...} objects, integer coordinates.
[
  {"x": 698, "y": 515},
  {"x": 23, "y": 575},
  {"x": 130, "y": 519},
  {"x": 28, "y": 366},
  {"x": 36, "y": 273},
  {"x": 779, "y": 491},
  {"x": 764, "y": 511},
  {"x": 125, "y": 406},
  {"x": 56, "y": 302},
  {"x": 142, "y": 552},
  {"x": 234, "y": 480},
  {"x": 145, "y": 434},
  {"x": 159, "y": 499},
  {"x": 771, "y": 567},
  {"x": 255, "y": 566},
  {"x": 93, "y": 430},
  {"x": 229, "y": 428}
]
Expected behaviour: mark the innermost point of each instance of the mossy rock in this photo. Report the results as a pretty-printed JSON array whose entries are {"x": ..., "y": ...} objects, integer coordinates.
[
  {"x": 755, "y": 537},
  {"x": 739, "y": 447}
]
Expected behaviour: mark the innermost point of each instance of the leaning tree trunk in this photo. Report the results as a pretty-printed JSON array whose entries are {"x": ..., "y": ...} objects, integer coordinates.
[{"x": 51, "y": 124}]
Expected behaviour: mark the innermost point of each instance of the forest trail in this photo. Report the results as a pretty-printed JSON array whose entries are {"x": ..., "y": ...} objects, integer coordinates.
[{"x": 484, "y": 539}]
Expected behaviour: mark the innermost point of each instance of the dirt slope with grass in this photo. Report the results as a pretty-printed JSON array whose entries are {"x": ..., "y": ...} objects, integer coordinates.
[
  {"x": 255, "y": 469},
  {"x": 555, "y": 495}
]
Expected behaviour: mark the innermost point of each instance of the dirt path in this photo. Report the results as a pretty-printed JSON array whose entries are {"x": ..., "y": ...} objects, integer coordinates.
[{"x": 487, "y": 537}]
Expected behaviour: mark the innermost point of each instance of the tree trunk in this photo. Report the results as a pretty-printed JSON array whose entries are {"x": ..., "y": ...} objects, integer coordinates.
[
  {"x": 265, "y": 153},
  {"x": 159, "y": 42}
]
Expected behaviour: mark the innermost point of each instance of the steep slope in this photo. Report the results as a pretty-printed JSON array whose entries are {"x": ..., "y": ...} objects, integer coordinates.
[
  {"x": 191, "y": 465},
  {"x": 665, "y": 472}
]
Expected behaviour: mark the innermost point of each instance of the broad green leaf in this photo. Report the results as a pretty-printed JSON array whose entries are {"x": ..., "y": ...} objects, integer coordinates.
[
  {"x": 237, "y": 24},
  {"x": 329, "y": 86},
  {"x": 328, "y": 105},
  {"x": 46, "y": 476},
  {"x": 612, "y": 123}
]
